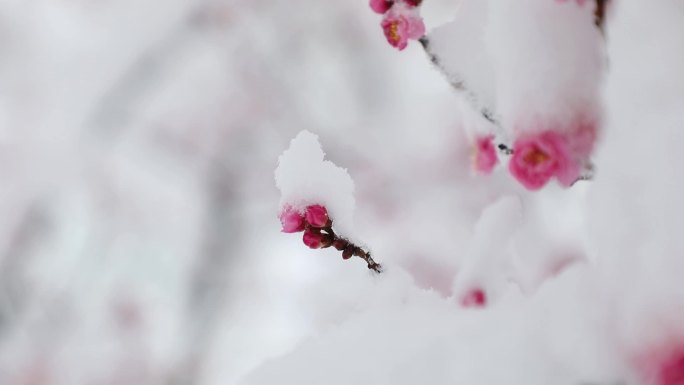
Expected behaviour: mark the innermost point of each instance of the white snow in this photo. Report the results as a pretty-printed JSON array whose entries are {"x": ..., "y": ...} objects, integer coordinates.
[{"x": 304, "y": 178}]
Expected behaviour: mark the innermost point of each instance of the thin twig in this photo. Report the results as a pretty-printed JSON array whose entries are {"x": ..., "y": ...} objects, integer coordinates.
[
  {"x": 348, "y": 248},
  {"x": 600, "y": 13},
  {"x": 457, "y": 84}
]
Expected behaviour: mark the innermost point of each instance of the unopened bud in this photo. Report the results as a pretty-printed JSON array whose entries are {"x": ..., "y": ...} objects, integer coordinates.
[{"x": 348, "y": 252}]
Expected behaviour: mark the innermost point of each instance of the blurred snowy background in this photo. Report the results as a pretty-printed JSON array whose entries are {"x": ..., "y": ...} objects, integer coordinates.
[
  {"x": 139, "y": 238},
  {"x": 139, "y": 242}
]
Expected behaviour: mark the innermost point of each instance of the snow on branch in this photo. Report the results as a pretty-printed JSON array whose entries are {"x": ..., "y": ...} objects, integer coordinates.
[{"x": 315, "y": 194}]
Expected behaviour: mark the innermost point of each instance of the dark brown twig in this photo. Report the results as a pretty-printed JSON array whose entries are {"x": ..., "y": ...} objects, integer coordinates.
[
  {"x": 347, "y": 247},
  {"x": 600, "y": 13}
]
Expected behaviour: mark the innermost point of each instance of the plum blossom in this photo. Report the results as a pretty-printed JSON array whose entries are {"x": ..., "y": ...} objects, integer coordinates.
[
  {"x": 317, "y": 216},
  {"x": 539, "y": 157},
  {"x": 400, "y": 25},
  {"x": 484, "y": 154},
  {"x": 291, "y": 220}
]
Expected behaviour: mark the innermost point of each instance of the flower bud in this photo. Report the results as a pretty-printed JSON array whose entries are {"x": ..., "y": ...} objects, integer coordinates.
[
  {"x": 313, "y": 239},
  {"x": 348, "y": 252},
  {"x": 380, "y": 6},
  {"x": 291, "y": 220},
  {"x": 317, "y": 216}
]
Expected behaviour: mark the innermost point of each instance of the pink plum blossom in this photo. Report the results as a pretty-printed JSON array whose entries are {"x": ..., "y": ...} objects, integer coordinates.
[
  {"x": 291, "y": 220},
  {"x": 475, "y": 298},
  {"x": 381, "y": 6},
  {"x": 484, "y": 157},
  {"x": 313, "y": 239},
  {"x": 400, "y": 26},
  {"x": 317, "y": 216},
  {"x": 539, "y": 157}
]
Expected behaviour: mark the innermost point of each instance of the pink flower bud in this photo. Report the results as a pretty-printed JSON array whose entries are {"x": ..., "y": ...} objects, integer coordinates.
[
  {"x": 291, "y": 220},
  {"x": 484, "y": 157},
  {"x": 380, "y": 6},
  {"x": 317, "y": 216},
  {"x": 313, "y": 239},
  {"x": 401, "y": 26},
  {"x": 475, "y": 298}
]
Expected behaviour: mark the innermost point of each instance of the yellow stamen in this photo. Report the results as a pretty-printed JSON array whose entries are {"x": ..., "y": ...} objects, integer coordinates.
[{"x": 536, "y": 157}]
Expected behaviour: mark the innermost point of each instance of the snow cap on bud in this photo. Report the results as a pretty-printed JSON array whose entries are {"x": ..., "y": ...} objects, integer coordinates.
[
  {"x": 484, "y": 157},
  {"x": 313, "y": 239},
  {"x": 475, "y": 298},
  {"x": 400, "y": 26},
  {"x": 317, "y": 216},
  {"x": 380, "y": 6},
  {"x": 291, "y": 220}
]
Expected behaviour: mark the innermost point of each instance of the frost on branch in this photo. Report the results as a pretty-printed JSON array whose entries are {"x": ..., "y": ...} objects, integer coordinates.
[{"x": 315, "y": 196}]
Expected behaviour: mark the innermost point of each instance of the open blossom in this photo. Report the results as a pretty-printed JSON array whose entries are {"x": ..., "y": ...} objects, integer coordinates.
[
  {"x": 401, "y": 26},
  {"x": 484, "y": 157},
  {"x": 381, "y": 6},
  {"x": 317, "y": 215},
  {"x": 291, "y": 220},
  {"x": 539, "y": 157}
]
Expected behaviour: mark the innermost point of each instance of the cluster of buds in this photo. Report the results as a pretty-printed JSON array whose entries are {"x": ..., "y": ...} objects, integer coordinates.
[
  {"x": 319, "y": 234},
  {"x": 401, "y": 20}
]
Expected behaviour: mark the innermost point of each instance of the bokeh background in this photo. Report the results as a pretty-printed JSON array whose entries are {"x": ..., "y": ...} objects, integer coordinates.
[{"x": 139, "y": 240}]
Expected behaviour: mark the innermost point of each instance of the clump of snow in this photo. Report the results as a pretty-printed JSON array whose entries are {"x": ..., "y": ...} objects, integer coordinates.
[
  {"x": 636, "y": 201},
  {"x": 548, "y": 61},
  {"x": 486, "y": 264},
  {"x": 459, "y": 46},
  {"x": 305, "y": 178}
]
